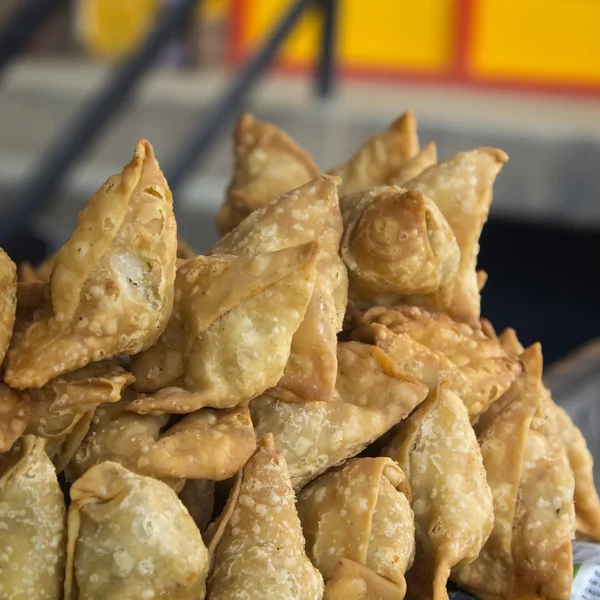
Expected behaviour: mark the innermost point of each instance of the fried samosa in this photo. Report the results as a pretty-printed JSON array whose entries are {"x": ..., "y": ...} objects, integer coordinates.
[
  {"x": 8, "y": 301},
  {"x": 587, "y": 503},
  {"x": 510, "y": 342},
  {"x": 61, "y": 412},
  {"x": 268, "y": 163},
  {"x": 32, "y": 525},
  {"x": 544, "y": 515},
  {"x": 437, "y": 449},
  {"x": 529, "y": 549},
  {"x": 129, "y": 536},
  {"x": 206, "y": 444},
  {"x": 111, "y": 288},
  {"x": 230, "y": 334},
  {"x": 258, "y": 546},
  {"x": 94, "y": 384},
  {"x": 461, "y": 186},
  {"x": 427, "y": 366},
  {"x": 373, "y": 495},
  {"x": 487, "y": 328},
  {"x": 303, "y": 215},
  {"x": 502, "y": 440},
  {"x": 381, "y": 157},
  {"x": 396, "y": 243},
  {"x": 117, "y": 436},
  {"x": 372, "y": 395},
  {"x": 482, "y": 360},
  {"x": 353, "y": 581},
  {"x": 414, "y": 166}
]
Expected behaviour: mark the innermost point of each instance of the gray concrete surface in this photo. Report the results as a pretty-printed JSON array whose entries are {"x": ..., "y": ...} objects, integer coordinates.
[{"x": 554, "y": 145}]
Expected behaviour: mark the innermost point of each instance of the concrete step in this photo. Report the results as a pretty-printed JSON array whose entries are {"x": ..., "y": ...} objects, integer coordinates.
[{"x": 554, "y": 144}]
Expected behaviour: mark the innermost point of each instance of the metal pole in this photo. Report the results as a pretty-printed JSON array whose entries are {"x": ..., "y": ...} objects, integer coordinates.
[
  {"x": 325, "y": 72},
  {"x": 80, "y": 130},
  {"x": 195, "y": 147},
  {"x": 23, "y": 25}
]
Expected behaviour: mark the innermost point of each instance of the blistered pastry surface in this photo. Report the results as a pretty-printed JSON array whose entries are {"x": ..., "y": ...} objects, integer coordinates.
[
  {"x": 261, "y": 552},
  {"x": 32, "y": 525},
  {"x": 129, "y": 536}
]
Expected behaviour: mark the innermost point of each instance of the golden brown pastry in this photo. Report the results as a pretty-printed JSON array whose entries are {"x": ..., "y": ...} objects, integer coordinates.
[
  {"x": 257, "y": 543},
  {"x": 381, "y": 157},
  {"x": 510, "y": 342},
  {"x": 372, "y": 395},
  {"x": 587, "y": 503},
  {"x": 461, "y": 186},
  {"x": 482, "y": 278},
  {"x": 530, "y": 359},
  {"x": 93, "y": 384},
  {"x": 129, "y": 536},
  {"x": 502, "y": 441},
  {"x": 32, "y": 525},
  {"x": 15, "y": 408},
  {"x": 8, "y": 301},
  {"x": 302, "y": 215},
  {"x": 488, "y": 328},
  {"x": 482, "y": 360},
  {"x": 430, "y": 367},
  {"x": 230, "y": 334},
  {"x": 529, "y": 550},
  {"x": 437, "y": 449},
  {"x": 268, "y": 163},
  {"x": 396, "y": 243},
  {"x": 62, "y": 410},
  {"x": 360, "y": 511},
  {"x": 545, "y": 514},
  {"x": 415, "y": 165},
  {"x": 111, "y": 289},
  {"x": 206, "y": 444},
  {"x": 353, "y": 581},
  {"x": 118, "y": 436}
]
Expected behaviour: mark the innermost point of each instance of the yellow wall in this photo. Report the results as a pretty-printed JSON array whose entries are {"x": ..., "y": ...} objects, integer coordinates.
[
  {"x": 532, "y": 41},
  {"x": 399, "y": 34},
  {"x": 547, "y": 40}
]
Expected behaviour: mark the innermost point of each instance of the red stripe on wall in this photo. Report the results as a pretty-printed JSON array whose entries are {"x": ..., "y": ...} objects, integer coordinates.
[{"x": 463, "y": 21}]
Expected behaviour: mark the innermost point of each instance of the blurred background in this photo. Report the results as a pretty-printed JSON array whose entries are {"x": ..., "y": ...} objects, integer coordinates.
[{"x": 82, "y": 80}]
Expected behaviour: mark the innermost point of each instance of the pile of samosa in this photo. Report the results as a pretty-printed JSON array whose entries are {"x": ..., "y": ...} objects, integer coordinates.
[{"x": 313, "y": 408}]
